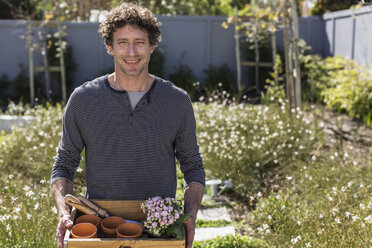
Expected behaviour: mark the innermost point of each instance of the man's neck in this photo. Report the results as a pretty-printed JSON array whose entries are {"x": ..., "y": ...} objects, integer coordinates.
[{"x": 139, "y": 83}]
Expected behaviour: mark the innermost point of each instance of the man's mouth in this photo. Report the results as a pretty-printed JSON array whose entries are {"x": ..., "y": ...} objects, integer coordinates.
[{"x": 132, "y": 61}]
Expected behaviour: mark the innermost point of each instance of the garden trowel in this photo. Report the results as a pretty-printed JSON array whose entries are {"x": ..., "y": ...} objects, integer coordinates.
[{"x": 84, "y": 205}]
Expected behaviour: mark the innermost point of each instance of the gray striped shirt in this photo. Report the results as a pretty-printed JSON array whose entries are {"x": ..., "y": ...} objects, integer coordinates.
[{"x": 129, "y": 153}]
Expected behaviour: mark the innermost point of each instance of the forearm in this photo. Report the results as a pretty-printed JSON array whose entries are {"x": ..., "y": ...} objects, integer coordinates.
[
  {"x": 60, "y": 188},
  {"x": 193, "y": 197}
]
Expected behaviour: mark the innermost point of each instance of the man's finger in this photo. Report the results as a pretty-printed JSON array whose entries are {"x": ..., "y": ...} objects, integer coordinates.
[{"x": 67, "y": 223}]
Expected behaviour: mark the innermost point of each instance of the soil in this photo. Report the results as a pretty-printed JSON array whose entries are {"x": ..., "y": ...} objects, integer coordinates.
[{"x": 342, "y": 129}]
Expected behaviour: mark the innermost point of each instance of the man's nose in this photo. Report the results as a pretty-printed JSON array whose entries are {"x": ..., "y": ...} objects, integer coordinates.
[{"x": 132, "y": 50}]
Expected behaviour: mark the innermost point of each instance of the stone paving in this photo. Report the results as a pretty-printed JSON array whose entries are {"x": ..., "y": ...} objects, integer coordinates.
[{"x": 213, "y": 214}]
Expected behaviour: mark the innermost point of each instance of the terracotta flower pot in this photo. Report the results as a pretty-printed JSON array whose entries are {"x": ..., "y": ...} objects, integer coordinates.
[
  {"x": 84, "y": 231},
  {"x": 129, "y": 230},
  {"x": 109, "y": 225},
  {"x": 89, "y": 218}
]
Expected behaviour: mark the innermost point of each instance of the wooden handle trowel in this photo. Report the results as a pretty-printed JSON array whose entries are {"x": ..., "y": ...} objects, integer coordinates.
[
  {"x": 101, "y": 212},
  {"x": 74, "y": 202}
]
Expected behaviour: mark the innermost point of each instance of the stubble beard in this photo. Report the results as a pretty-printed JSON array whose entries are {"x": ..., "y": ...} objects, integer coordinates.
[{"x": 138, "y": 72}]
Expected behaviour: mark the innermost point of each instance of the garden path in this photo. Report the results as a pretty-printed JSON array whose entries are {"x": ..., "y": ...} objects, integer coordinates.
[{"x": 213, "y": 214}]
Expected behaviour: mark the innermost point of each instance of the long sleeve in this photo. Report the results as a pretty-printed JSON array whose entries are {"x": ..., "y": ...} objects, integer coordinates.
[
  {"x": 71, "y": 144},
  {"x": 187, "y": 148}
]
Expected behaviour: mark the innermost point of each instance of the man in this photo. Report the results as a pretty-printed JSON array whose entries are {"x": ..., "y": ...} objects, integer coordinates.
[{"x": 131, "y": 124}]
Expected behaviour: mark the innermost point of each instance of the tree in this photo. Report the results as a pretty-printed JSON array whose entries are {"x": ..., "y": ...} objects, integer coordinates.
[
  {"x": 323, "y": 6},
  {"x": 258, "y": 20}
]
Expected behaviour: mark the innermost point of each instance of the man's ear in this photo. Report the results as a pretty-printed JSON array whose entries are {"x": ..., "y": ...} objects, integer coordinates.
[
  {"x": 152, "y": 49},
  {"x": 109, "y": 49}
]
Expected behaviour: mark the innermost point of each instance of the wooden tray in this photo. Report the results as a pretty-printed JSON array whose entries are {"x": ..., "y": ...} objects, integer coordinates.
[{"x": 130, "y": 210}]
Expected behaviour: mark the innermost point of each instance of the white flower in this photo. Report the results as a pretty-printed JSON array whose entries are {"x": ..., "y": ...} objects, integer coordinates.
[
  {"x": 349, "y": 184},
  {"x": 295, "y": 240},
  {"x": 289, "y": 178},
  {"x": 355, "y": 217},
  {"x": 338, "y": 221},
  {"x": 269, "y": 217},
  {"x": 334, "y": 210},
  {"x": 347, "y": 214},
  {"x": 11, "y": 176},
  {"x": 362, "y": 206},
  {"x": 363, "y": 225},
  {"x": 321, "y": 216},
  {"x": 368, "y": 219},
  {"x": 308, "y": 244}
]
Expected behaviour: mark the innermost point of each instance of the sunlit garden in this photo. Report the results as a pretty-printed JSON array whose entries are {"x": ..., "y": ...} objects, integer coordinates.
[{"x": 292, "y": 176}]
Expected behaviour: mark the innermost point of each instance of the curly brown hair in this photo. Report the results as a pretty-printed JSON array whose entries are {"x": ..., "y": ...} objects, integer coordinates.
[{"x": 132, "y": 14}]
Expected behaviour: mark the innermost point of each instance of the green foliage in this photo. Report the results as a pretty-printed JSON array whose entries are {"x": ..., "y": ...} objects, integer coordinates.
[
  {"x": 4, "y": 85},
  {"x": 326, "y": 204},
  {"x": 219, "y": 78},
  {"x": 212, "y": 223},
  {"x": 183, "y": 77},
  {"x": 340, "y": 84},
  {"x": 351, "y": 91},
  {"x": 275, "y": 91},
  {"x": 323, "y": 6},
  {"x": 186, "y": 7},
  {"x": 18, "y": 9},
  {"x": 156, "y": 65},
  {"x": 250, "y": 144},
  {"x": 27, "y": 213},
  {"x": 229, "y": 241},
  {"x": 54, "y": 49},
  {"x": 175, "y": 230},
  {"x": 314, "y": 77},
  {"x": 30, "y": 151}
]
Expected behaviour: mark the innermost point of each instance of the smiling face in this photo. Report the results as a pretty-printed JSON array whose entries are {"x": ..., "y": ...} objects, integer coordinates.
[{"x": 131, "y": 51}]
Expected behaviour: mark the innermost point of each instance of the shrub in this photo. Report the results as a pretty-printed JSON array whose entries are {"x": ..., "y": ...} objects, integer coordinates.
[
  {"x": 326, "y": 204},
  {"x": 229, "y": 241},
  {"x": 183, "y": 77},
  {"x": 219, "y": 78},
  {"x": 251, "y": 144},
  {"x": 156, "y": 64},
  {"x": 340, "y": 84},
  {"x": 350, "y": 91}
]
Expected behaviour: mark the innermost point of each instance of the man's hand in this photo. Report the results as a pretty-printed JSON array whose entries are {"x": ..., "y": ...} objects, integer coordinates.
[
  {"x": 190, "y": 231},
  {"x": 193, "y": 197},
  {"x": 63, "y": 223},
  {"x": 60, "y": 188}
]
